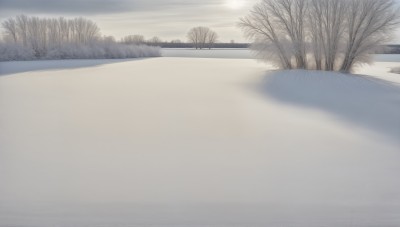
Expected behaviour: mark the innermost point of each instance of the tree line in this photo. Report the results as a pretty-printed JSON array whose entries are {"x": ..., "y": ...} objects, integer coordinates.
[
  {"x": 177, "y": 43},
  {"x": 202, "y": 37},
  {"x": 29, "y": 38},
  {"x": 198, "y": 37},
  {"x": 332, "y": 35},
  {"x": 43, "y": 34}
]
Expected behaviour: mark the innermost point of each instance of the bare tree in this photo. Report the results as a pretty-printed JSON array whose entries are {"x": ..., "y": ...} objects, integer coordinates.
[
  {"x": 212, "y": 39},
  {"x": 176, "y": 41},
  {"x": 10, "y": 27},
  {"x": 84, "y": 30},
  {"x": 339, "y": 33},
  {"x": 333, "y": 25},
  {"x": 134, "y": 39},
  {"x": 154, "y": 41},
  {"x": 370, "y": 23},
  {"x": 29, "y": 38},
  {"x": 326, "y": 28},
  {"x": 54, "y": 34},
  {"x": 202, "y": 37},
  {"x": 316, "y": 32},
  {"x": 289, "y": 17},
  {"x": 37, "y": 35},
  {"x": 22, "y": 24},
  {"x": 278, "y": 22},
  {"x": 42, "y": 34},
  {"x": 65, "y": 33},
  {"x": 194, "y": 37},
  {"x": 260, "y": 26}
]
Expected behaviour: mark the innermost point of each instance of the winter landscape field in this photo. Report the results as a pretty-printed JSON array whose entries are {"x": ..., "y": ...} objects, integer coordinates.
[
  {"x": 213, "y": 142},
  {"x": 212, "y": 113}
]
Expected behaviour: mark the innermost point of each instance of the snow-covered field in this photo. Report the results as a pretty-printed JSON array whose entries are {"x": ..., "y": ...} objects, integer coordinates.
[{"x": 197, "y": 142}]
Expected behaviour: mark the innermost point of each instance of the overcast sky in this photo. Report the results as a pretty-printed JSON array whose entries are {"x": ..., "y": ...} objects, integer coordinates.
[{"x": 168, "y": 19}]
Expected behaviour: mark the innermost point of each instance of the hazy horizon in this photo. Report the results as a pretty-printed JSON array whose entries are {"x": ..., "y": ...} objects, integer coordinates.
[{"x": 167, "y": 19}]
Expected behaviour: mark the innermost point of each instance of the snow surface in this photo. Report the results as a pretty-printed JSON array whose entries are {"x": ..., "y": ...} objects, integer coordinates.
[
  {"x": 236, "y": 53},
  {"x": 242, "y": 53},
  {"x": 395, "y": 70},
  {"x": 197, "y": 142}
]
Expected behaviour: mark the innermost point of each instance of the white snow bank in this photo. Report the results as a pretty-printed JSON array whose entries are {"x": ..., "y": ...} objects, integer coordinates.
[
  {"x": 147, "y": 143},
  {"x": 380, "y": 70}
]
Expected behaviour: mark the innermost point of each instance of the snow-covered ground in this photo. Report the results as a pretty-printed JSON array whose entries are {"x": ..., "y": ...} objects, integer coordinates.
[
  {"x": 238, "y": 53},
  {"x": 395, "y": 70},
  {"x": 242, "y": 53},
  {"x": 197, "y": 142}
]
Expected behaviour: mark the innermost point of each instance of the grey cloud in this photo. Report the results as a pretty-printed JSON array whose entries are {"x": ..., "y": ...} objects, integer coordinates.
[
  {"x": 94, "y": 6},
  {"x": 168, "y": 19}
]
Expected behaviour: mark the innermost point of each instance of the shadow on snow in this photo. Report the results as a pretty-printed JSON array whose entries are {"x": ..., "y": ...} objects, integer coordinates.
[
  {"x": 14, "y": 67},
  {"x": 368, "y": 102}
]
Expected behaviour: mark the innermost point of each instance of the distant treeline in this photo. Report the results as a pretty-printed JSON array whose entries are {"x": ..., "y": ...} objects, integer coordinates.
[
  {"x": 191, "y": 45},
  {"x": 390, "y": 49},
  {"x": 33, "y": 38}
]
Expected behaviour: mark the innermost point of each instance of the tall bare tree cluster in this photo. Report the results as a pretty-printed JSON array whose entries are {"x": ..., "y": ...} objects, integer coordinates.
[
  {"x": 133, "y": 39},
  {"x": 29, "y": 38},
  {"x": 43, "y": 34},
  {"x": 332, "y": 35},
  {"x": 202, "y": 37}
]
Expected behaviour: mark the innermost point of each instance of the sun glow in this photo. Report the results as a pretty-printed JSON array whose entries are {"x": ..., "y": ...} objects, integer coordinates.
[{"x": 235, "y": 4}]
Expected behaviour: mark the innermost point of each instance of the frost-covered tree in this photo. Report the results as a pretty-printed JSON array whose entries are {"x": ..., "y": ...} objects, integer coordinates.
[
  {"x": 84, "y": 30},
  {"x": 134, "y": 39},
  {"x": 10, "y": 51},
  {"x": 326, "y": 28},
  {"x": 269, "y": 38},
  {"x": 370, "y": 23},
  {"x": 27, "y": 38},
  {"x": 290, "y": 18},
  {"x": 176, "y": 41},
  {"x": 155, "y": 41},
  {"x": 202, "y": 37},
  {"x": 10, "y": 27},
  {"x": 319, "y": 34},
  {"x": 43, "y": 34},
  {"x": 22, "y": 24}
]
